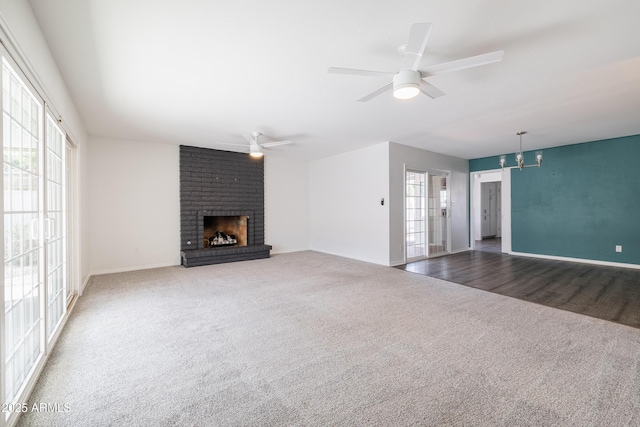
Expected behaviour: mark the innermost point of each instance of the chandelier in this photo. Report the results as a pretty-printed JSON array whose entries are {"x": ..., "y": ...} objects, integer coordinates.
[{"x": 520, "y": 157}]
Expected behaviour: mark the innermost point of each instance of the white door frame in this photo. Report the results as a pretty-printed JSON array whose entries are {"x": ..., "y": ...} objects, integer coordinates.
[{"x": 477, "y": 178}]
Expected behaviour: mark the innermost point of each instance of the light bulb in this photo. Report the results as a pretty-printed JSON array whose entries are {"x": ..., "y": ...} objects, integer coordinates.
[{"x": 406, "y": 92}]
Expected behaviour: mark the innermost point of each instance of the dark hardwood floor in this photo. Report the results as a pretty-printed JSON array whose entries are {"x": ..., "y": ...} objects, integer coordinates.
[{"x": 608, "y": 293}]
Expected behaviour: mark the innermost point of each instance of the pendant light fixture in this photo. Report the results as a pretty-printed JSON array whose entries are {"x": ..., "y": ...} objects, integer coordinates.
[{"x": 520, "y": 164}]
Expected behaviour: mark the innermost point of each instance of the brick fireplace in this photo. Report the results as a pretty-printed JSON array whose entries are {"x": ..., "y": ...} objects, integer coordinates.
[{"x": 221, "y": 194}]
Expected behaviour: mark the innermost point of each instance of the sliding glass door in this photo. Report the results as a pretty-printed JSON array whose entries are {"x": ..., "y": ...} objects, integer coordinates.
[
  {"x": 22, "y": 164},
  {"x": 426, "y": 214},
  {"x": 35, "y": 223}
]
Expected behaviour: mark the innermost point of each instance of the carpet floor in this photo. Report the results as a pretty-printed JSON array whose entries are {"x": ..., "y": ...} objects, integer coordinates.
[{"x": 309, "y": 339}]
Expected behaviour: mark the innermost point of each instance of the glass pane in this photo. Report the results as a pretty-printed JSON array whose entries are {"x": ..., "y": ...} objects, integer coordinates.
[
  {"x": 55, "y": 225},
  {"x": 415, "y": 214},
  {"x": 21, "y": 156},
  {"x": 438, "y": 227}
]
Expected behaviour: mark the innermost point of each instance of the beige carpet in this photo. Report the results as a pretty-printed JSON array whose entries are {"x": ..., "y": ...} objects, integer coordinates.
[{"x": 314, "y": 340}]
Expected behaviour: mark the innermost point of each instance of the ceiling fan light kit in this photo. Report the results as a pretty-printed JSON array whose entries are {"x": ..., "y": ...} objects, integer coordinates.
[
  {"x": 520, "y": 163},
  {"x": 408, "y": 82},
  {"x": 255, "y": 151}
]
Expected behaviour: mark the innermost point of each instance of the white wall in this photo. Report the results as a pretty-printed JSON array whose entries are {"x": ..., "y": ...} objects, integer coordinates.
[
  {"x": 24, "y": 31},
  {"x": 401, "y": 156},
  {"x": 286, "y": 194},
  {"x": 347, "y": 218},
  {"x": 330, "y": 205},
  {"x": 134, "y": 205}
]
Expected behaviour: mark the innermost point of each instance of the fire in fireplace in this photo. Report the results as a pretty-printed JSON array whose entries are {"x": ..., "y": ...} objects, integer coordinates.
[{"x": 219, "y": 231}]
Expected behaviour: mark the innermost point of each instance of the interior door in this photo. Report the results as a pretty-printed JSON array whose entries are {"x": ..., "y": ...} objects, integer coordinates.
[
  {"x": 415, "y": 214},
  {"x": 426, "y": 214},
  {"x": 490, "y": 206},
  {"x": 438, "y": 221}
]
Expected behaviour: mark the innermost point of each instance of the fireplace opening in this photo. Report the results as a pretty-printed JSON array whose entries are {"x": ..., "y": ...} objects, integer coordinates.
[{"x": 222, "y": 231}]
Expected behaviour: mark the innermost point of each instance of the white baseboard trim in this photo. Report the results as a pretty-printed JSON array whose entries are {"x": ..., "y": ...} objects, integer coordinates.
[
  {"x": 457, "y": 251},
  {"x": 288, "y": 251},
  {"x": 84, "y": 284},
  {"x": 402, "y": 262},
  {"x": 128, "y": 269},
  {"x": 350, "y": 256},
  {"x": 580, "y": 260}
]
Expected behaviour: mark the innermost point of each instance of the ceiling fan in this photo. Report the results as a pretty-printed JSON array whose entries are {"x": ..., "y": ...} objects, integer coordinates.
[
  {"x": 410, "y": 81},
  {"x": 255, "y": 147}
]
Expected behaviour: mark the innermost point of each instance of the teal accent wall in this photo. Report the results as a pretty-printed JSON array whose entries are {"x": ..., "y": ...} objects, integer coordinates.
[{"x": 582, "y": 202}]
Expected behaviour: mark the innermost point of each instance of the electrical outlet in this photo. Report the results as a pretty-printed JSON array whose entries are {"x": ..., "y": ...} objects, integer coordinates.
[
  {"x": 400, "y": 248},
  {"x": 618, "y": 248}
]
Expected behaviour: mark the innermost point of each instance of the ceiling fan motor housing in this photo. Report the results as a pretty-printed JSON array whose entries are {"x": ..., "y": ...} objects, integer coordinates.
[{"x": 406, "y": 84}]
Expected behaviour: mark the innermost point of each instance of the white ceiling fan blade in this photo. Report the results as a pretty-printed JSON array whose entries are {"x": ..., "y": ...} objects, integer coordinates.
[
  {"x": 356, "y": 72},
  {"x": 276, "y": 143},
  {"x": 249, "y": 138},
  {"x": 229, "y": 143},
  {"x": 461, "y": 64},
  {"x": 418, "y": 37},
  {"x": 430, "y": 90},
  {"x": 372, "y": 95}
]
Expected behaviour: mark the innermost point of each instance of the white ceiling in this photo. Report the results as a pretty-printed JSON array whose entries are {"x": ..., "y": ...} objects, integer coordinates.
[{"x": 201, "y": 72}]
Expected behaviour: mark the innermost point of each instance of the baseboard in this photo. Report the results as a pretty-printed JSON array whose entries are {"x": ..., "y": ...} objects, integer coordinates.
[
  {"x": 287, "y": 251},
  {"x": 580, "y": 260},
  {"x": 457, "y": 251},
  {"x": 128, "y": 269},
  {"x": 350, "y": 256},
  {"x": 402, "y": 262},
  {"x": 84, "y": 284}
]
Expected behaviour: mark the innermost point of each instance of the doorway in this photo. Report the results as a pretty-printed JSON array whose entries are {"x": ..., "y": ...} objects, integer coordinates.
[
  {"x": 427, "y": 227},
  {"x": 491, "y": 209}
]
